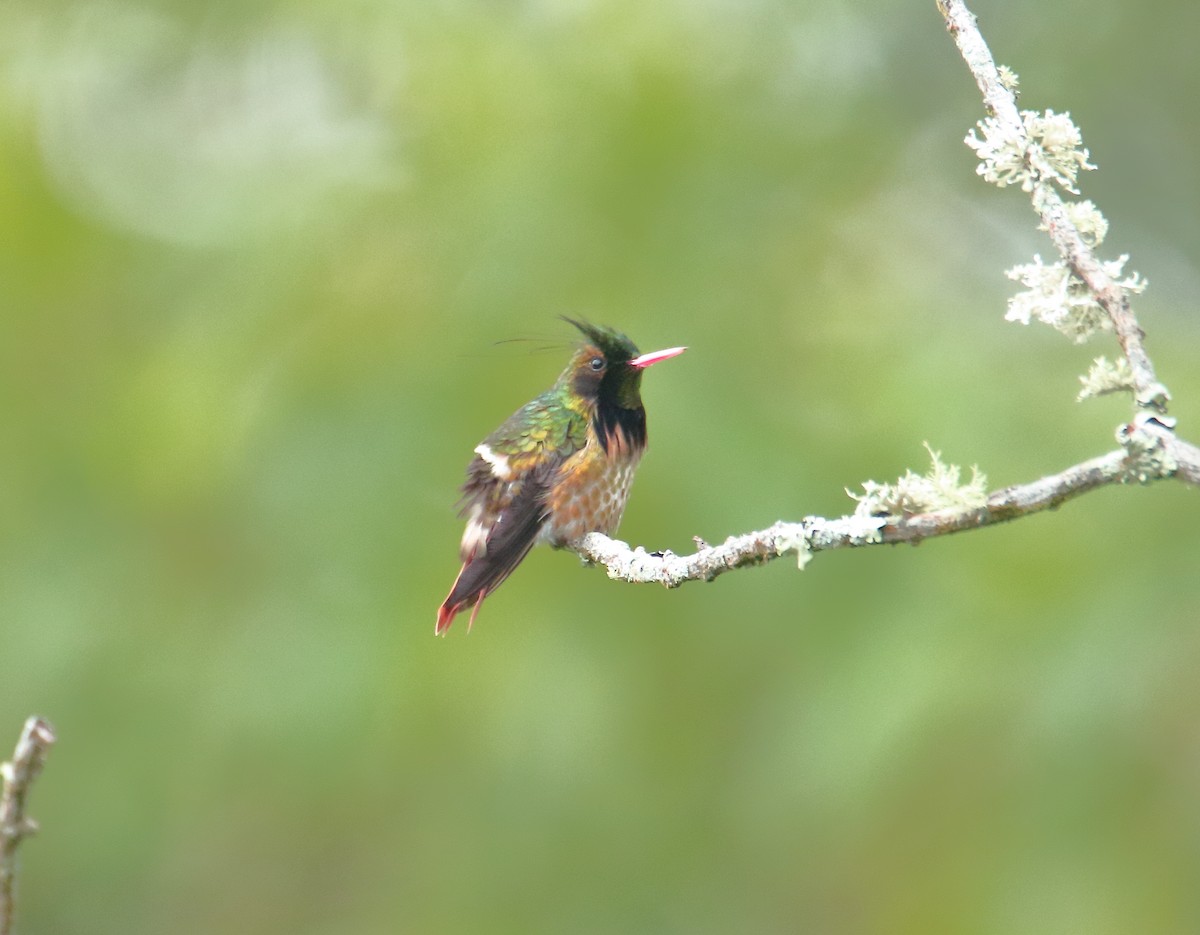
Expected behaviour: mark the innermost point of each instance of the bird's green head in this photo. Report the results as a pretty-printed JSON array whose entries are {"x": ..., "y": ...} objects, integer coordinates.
[{"x": 607, "y": 368}]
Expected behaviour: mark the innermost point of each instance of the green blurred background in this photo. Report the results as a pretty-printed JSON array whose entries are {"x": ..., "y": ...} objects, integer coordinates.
[{"x": 254, "y": 263}]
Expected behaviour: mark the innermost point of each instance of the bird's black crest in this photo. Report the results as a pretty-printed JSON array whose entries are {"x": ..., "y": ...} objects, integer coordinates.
[
  {"x": 615, "y": 345},
  {"x": 619, "y": 412}
]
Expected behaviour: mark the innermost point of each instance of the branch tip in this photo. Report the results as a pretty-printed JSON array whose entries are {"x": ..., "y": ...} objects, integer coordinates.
[{"x": 16, "y": 776}]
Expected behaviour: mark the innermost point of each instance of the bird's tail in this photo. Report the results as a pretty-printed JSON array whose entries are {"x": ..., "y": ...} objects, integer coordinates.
[
  {"x": 507, "y": 543},
  {"x": 458, "y": 600},
  {"x": 478, "y": 578}
]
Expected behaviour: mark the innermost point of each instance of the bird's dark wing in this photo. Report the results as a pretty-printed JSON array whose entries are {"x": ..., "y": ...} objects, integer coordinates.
[
  {"x": 507, "y": 538},
  {"x": 506, "y": 494},
  {"x": 514, "y": 463}
]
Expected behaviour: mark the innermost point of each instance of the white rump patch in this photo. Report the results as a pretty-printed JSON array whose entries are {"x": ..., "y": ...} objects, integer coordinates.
[
  {"x": 499, "y": 463},
  {"x": 474, "y": 540}
]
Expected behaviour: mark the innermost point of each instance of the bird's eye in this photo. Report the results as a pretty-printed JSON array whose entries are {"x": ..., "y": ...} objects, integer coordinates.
[{"x": 597, "y": 363}]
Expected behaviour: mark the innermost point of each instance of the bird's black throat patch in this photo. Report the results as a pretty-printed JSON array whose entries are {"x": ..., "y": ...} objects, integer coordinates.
[{"x": 612, "y": 422}]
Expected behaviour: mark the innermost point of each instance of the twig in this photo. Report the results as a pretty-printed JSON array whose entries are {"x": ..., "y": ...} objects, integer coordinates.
[
  {"x": 1001, "y": 103},
  {"x": 16, "y": 776},
  {"x": 1151, "y": 452}
]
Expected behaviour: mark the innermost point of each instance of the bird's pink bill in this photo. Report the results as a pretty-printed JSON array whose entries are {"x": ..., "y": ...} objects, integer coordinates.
[{"x": 655, "y": 356}]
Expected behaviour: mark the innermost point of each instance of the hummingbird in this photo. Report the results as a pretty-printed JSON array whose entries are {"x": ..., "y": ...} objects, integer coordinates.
[{"x": 558, "y": 468}]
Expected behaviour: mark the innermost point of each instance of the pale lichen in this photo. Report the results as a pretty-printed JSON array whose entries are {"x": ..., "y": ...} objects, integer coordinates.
[
  {"x": 1105, "y": 377},
  {"x": 1047, "y": 147},
  {"x": 1143, "y": 439},
  {"x": 1056, "y": 296},
  {"x": 1087, "y": 219},
  {"x": 867, "y": 530},
  {"x": 792, "y": 537},
  {"x": 1008, "y": 78},
  {"x": 804, "y": 554},
  {"x": 941, "y": 488}
]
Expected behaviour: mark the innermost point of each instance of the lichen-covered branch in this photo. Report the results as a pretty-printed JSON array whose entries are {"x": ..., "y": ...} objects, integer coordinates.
[
  {"x": 1079, "y": 295},
  {"x": 1150, "y": 452},
  {"x": 1009, "y": 124},
  {"x": 16, "y": 776}
]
